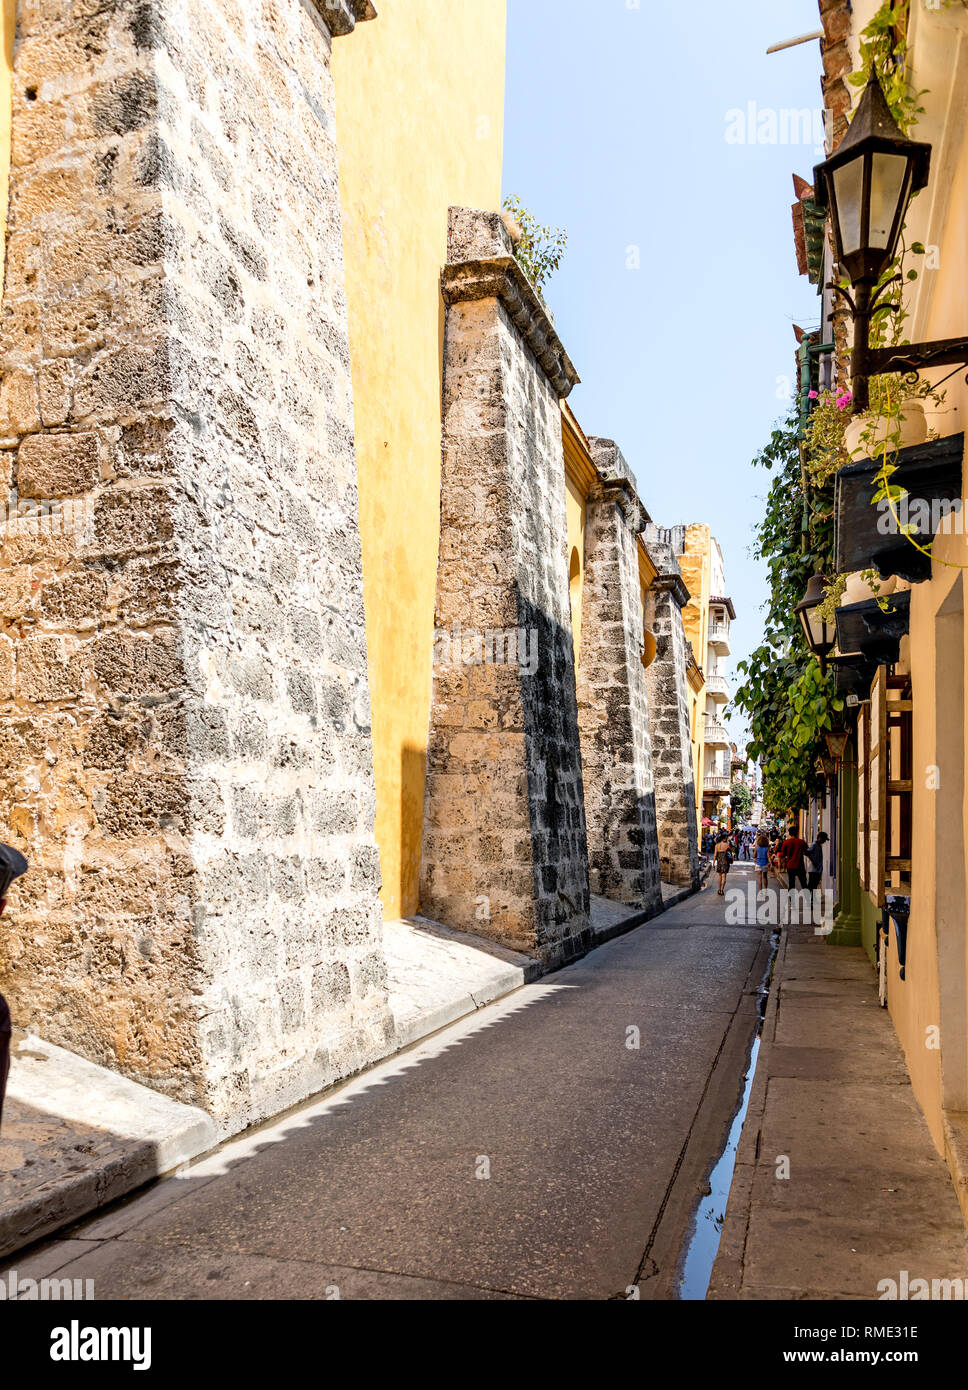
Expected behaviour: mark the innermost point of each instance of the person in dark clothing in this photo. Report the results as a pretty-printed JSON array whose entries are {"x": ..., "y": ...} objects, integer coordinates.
[
  {"x": 723, "y": 859},
  {"x": 815, "y": 861},
  {"x": 12, "y": 865}
]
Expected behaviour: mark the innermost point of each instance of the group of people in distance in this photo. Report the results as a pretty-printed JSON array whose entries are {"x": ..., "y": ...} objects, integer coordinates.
[{"x": 792, "y": 862}]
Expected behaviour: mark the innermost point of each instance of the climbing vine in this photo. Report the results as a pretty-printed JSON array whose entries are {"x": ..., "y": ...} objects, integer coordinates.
[{"x": 789, "y": 703}]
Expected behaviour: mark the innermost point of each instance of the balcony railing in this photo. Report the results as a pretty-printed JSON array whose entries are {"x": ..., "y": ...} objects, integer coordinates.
[
  {"x": 719, "y": 632},
  {"x": 714, "y": 782},
  {"x": 718, "y": 687},
  {"x": 715, "y": 735}
]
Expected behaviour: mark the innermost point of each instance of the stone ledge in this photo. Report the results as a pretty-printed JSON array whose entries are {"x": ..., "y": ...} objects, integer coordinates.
[
  {"x": 342, "y": 16},
  {"x": 504, "y": 279},
  {"x": 619, "y": 480},
  {"x": 76, "y": 1136},
  {"x": 481, "y": 265},
  {"x": 675, "y": 585},
  {"x": 436, "y": 975}
]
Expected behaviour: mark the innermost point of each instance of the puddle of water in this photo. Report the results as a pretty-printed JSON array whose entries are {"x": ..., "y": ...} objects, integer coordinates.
[{"x": 702, "y": 1245}]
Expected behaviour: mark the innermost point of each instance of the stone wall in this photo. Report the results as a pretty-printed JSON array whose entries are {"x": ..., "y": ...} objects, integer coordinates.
[
  {"x": 185, "y": 716},
  {"x": 504, "y": 840},
  {"x": 613, "y": 705},
  {"x": 675, "y": 777}
]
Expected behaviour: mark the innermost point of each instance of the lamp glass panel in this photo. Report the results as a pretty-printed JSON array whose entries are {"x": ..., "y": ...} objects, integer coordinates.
[
  {"x": 849, "y": 197},
  {"x": 888, "y": 179},
  {"x": 818, "y": 629}
]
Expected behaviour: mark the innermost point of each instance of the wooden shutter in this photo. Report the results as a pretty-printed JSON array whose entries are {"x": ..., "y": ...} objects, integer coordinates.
[
  {"x": 900, "y": 783},
  {"x": 877, "y": 828},
  {"x": 863, "y": 726}
]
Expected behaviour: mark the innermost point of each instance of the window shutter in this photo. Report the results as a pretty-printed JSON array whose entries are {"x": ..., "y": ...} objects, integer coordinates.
[
  {"x": 877, "y": 829},
  {"x": 900, "y": 783}
]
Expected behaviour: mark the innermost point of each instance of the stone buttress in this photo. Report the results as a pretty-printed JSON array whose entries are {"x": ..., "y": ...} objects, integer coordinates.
[
  {"x": 504, "y": 851},
  {"x": 613, "y": 701},
  {"x": 184, "y": 712},
  {"x": 667, "y": 681}
]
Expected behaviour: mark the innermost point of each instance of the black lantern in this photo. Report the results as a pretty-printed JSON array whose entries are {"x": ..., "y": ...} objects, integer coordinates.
[
  {"x": 821, "y": 635},
  {"x": 867, "y": 184}
]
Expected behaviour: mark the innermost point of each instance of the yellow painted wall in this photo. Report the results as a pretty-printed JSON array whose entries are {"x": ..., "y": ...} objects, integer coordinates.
[
  {"x": 939, "y": 306},
  {"x": 420, "y": 123},
  {"x": 8, "y": 26},
  {"x": 696, "y": 567}
]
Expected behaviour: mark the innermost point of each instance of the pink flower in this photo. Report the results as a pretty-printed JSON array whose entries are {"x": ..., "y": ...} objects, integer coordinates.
[
  {"x": 844, "y": 401},
  {"x": 814, "y": 396}
]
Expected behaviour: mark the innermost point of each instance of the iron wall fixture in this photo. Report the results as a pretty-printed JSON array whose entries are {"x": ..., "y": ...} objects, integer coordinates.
[
  {"x": 867, "y": 185},
  {"x": 898, "y": 909},
  {"x": 872, "y": 631}
]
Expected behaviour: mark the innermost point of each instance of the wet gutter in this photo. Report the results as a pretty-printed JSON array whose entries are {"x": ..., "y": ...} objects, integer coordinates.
[{"x": 702, "y": 1243}]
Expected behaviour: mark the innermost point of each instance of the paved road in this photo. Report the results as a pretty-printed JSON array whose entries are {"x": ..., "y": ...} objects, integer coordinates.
[{"x": 531, "y": 1151}]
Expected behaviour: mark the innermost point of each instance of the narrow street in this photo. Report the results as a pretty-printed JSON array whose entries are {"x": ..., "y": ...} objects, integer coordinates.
[{"x": 531, "y": 1151}]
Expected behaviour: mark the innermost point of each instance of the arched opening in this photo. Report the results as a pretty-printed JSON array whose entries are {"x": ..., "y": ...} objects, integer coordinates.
[{"x": 574, "y": 590}]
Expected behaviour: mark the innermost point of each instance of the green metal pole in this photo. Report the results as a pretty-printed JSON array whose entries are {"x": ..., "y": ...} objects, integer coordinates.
[{"x": 847, "y": 924}]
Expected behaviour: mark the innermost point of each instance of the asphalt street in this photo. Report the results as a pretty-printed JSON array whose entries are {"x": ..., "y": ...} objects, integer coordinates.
[{"x": 552, "y": 1146}]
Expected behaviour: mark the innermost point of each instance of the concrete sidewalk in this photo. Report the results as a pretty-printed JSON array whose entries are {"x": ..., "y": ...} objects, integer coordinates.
[
  {"x": 867, "y": 1194},
  {"x": 552, "y": 1145}
]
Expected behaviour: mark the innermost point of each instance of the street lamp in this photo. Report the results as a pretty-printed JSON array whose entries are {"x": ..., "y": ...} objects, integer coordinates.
[
  {"x": 867, "y": 185},
  {"x": 820, "y": 634},
  {"x": 837, "y": 743}
]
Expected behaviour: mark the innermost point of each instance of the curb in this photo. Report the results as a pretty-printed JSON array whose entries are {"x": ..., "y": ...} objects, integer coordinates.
[{"x": 727, "y": 1275}]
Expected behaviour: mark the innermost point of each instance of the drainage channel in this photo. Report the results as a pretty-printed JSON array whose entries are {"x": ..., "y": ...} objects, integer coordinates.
[{"x": 702, "y": 1244}]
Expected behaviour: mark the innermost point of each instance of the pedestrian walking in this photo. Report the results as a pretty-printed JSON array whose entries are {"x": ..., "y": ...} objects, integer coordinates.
[
  {"x": 762, "y": 861},
  {"x": 12, "y": 865},
  {"x": 723, "y": 859},
  {"x": 815, "y": 861},
  {"x": 791, "y": 854}
]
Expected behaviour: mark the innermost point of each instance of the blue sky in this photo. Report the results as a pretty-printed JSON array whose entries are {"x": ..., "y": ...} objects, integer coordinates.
[{"x": 616, "y": 130}]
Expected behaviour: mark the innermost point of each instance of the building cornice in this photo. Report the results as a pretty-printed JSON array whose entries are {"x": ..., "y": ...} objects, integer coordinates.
[
  {"x": 697, "y": 679},
  {"x": 672, "y": 582},
  {"x": 342, "y": 16},
  {"x": 647, "y": 570},
  {"x": 501, "y": 278},
  {"x": 579, "y": 467}
]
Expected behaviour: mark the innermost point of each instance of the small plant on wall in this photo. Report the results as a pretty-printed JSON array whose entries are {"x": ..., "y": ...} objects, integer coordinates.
[{"x": 539, "y": 249}]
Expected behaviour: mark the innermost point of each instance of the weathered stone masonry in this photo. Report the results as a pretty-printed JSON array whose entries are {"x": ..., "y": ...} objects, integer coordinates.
[
  {"x": 613, "y": 705},
  {"x": 185, "y": 719},
  {"x": 504, "y": 841},
  {"x": 675, "y": 785}
]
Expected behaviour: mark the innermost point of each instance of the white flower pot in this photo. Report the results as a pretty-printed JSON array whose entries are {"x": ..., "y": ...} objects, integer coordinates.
[
  {"x": 913, "y": 430},
  {"x": 859, "y": 591}
]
